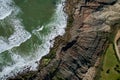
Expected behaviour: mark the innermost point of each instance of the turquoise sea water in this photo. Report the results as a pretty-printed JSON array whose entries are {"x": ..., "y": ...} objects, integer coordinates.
[{"x": 27, "y": 30}]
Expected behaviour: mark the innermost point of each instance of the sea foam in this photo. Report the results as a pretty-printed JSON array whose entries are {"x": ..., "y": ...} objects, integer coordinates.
[
  {"x": 57, "y": 27},
  {"x": 20, "y": 35},
  {"x": 5, "y": 8}
]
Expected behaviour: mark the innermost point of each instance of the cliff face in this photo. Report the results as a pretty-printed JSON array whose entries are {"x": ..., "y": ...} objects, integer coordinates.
[{"x": 76, "y": 54}]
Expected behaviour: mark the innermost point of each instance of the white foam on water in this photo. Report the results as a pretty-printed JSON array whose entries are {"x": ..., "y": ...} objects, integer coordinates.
[
  {"x": 19, "y": 66},
  {"x": 40, "y": 28},
  {"x": 5, "y": 8},
  {"x": 20, "y": 35},
  {"x": 57, "y": 28}
]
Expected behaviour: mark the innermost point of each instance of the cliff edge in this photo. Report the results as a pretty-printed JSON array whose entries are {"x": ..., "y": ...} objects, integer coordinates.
[{"x": 76, "y": 55}]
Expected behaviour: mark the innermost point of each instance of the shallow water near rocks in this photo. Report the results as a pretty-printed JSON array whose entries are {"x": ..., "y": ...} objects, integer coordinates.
[{"x": 26, "y": 30}]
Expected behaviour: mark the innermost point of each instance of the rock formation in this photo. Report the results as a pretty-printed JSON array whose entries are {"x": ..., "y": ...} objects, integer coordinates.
[{"x": 75, "y": 56}]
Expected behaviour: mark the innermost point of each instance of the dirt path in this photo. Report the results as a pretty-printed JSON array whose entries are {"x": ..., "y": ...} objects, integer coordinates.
[{"x": 116, "y": 46}]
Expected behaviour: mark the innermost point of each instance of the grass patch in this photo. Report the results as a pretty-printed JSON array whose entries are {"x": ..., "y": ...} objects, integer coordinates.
[
  {"x": 46, "y": 59},
  {"x": 111, "y": 66}
]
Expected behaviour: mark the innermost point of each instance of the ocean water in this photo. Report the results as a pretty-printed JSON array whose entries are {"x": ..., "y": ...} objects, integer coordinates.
[{"x": 27, "y": 31}]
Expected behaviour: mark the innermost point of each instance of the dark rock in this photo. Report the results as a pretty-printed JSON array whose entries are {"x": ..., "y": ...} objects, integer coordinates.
[
  {"x": 79, "y": 54},
  {"x": 107, "y": 2},
  {"x": 69, "y": 45}
]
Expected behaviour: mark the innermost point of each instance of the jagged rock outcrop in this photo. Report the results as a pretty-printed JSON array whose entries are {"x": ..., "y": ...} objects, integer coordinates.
[{"x": 86, "y": 38}]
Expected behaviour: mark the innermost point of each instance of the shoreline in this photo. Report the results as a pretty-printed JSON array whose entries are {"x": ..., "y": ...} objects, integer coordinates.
[
  {"x": 77, "y": 51},
  {"x": 31, "y": 73}
]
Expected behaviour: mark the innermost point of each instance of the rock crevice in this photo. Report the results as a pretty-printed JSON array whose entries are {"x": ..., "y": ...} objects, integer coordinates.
[{"x": 86, "y": 38}]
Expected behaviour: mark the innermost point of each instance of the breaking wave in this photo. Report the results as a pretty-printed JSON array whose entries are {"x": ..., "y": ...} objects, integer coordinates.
[{"x": 20, "y": 35}]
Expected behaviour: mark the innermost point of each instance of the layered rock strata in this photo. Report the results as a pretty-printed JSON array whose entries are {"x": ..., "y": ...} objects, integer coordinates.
[{"x": 76, "y": 55}]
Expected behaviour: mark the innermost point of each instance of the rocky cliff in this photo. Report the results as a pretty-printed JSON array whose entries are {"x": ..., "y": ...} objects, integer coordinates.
[{"x": 76, "y": 55}]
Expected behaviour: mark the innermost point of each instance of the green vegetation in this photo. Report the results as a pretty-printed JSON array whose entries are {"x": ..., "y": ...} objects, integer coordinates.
[
  {"x": 46, "y": 59},
  {"x": 111, "y": 66},
  {"x": 113, "y": 33},
  {"x": 70, "y": 21}
]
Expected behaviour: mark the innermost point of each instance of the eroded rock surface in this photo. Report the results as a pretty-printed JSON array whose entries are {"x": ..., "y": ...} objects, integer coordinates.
[{"x": 86, "y": 38}]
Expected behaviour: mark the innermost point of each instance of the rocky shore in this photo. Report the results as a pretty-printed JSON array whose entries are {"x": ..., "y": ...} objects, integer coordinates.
[{"x": 76, "y": 55}]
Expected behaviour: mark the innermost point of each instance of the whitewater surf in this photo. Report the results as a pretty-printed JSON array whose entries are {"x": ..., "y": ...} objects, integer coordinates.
[{"x": 22, "y": 45}]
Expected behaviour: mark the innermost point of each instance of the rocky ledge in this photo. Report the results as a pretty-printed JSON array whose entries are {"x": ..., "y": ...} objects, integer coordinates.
[{"x": 76, "y": 55}]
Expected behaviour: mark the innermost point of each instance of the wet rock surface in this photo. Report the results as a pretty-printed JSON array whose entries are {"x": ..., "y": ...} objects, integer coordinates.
[{"x": 75, "y": 54}]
